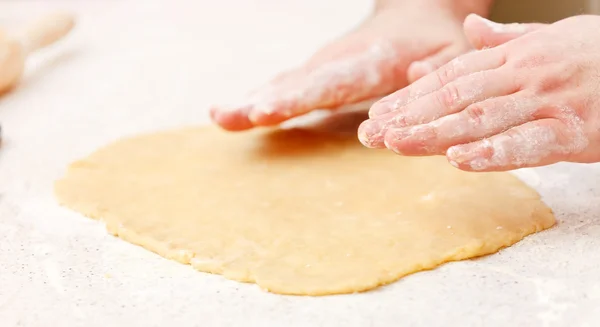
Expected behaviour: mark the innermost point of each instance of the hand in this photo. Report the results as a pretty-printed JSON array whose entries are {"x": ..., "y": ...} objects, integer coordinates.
[
  {"x": 529, "y": 102},
  {"x": 392, "y": 48}
]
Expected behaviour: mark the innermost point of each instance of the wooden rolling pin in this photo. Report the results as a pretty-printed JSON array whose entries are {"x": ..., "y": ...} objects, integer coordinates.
[{"x": 16, "y": 47}]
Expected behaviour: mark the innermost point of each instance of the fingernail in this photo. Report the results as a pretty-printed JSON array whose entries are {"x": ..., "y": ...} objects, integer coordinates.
[
  {"x": 477, "y": 155},
  {"x": 496, "y": 27},
  {"x": 222, "y": 112},
  {"x": 416, "y": 137},
  {"x": 254, "y": 116},
  {"x": 383, "y": 106},
  {"x": 371, "y": 132},
  {"x": 393, "y": 136},
  {"x": 458, "y": 154},
  {"x": 260, "y": 112},
  {"x": 423, "y": 67}
]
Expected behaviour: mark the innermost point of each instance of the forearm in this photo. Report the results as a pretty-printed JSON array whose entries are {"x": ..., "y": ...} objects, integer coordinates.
[{"x": 460, "y": 7}]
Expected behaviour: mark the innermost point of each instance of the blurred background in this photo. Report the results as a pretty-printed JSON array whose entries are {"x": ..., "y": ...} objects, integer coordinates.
[
  {"x": 545, "y": 11},
  {"x": 132, "y": 66}
]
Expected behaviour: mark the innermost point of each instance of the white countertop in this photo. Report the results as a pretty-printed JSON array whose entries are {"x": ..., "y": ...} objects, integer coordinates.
[{"x": 137, "y": 66}]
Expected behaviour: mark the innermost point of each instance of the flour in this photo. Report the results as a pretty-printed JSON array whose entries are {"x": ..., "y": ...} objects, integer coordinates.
[
  {"x": 428, "y": 197},
  {"x": 426, "y": 116},
  {"x": 530, "y": 146},
  {"x": 396, "y": 105},
  {"x": 424, "y": 135},
  {"x": 470, "y": 88},
  {"x": 340, "y": 81},
  {"x": 457, "y": 65},
  {"x": 465, "y": 91},
  {"x": 401, "y": 99},
  {"x": 515, "y": 28},
  {"x": 372, "y": 140}
]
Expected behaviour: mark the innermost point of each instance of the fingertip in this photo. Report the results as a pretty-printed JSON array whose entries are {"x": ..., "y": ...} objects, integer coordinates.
[
  {"x": 231, "y": 120},
  {"x": 274, "y": 113},
  {"x": 454, "y": 161},
  {"x": 472, "y": 19},
  {"x": 363, "y": 137},
  {"x": 262, "y": 117},
  {"x": 370, "y": 134},
  {"x": 476, "y": 156},
  {"x": 374, "y": 111},
  {"x": 464, "y": 166},
  {"x": 482, "y": 32}
]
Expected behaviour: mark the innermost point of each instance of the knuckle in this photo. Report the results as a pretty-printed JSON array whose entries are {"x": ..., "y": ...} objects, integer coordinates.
[
  {"x": 475, "y": 114},
  {"x": 449, "y": 97},
  {"x": 446, "y": 73},
  {"x": 530, "y": 61},
  {"x": 513, "y": 136},
  {"x": 545, "y": 72},
  {"x": 400, "y": 120},
  {"x": 558, "y": 77},
  {"x": 521, "y": 80},
  {"x": 516, "y": 137},
  {"x": 563, "y": 135},
  {"x": 541, "y": 107}
]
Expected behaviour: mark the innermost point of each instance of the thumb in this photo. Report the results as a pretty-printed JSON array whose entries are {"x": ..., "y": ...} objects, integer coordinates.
[{"x": 483, "y": 33}]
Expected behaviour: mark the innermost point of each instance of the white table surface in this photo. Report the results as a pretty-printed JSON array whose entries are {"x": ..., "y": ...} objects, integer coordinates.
[{"x": 137, "y": 66}]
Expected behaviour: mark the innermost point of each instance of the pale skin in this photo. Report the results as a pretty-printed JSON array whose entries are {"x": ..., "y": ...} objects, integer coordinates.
[
  {"x": 407, "y": 53},
  {"x": 528, "y": 102},
  {"x": 526, "y": 98}
]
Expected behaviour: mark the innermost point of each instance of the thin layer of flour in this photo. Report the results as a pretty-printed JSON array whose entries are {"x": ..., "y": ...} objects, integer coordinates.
[
  {"x": 533, "y": 144},
  {"x": 346, "y": 80},
  {"x": 422, "y": 112},
  {"x": 498, "y": 28}
]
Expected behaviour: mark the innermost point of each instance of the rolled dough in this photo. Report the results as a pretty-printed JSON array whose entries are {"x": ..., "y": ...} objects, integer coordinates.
[{"x": 297, "y": 211}]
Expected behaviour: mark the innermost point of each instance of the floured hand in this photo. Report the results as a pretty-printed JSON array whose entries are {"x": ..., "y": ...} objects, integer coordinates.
[
  {"x": 529, "y": 102},
  {"x": 398, "y": 44}
]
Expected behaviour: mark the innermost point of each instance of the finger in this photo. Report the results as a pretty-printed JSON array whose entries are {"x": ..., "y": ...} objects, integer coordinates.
[
  {"x": 427, "y": 65},
  {"x": 483, "y": 33},
  {"x": 464, "y": 65},
  {"x": 452, "y": 98},
  {"x": 301, "y": 91},
  {"x": 234, "y": 116},
  {"x": 479, "y": 120},
  {"x": 356, "y": 78},
  {"x": 533, "y": 144},
  {"x": 231, "y": 118}
]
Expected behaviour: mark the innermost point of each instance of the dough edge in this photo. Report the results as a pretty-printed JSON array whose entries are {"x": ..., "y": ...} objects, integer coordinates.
[
  {"x": 545, "y": 220},
  {"x": 542, "y": 218}
]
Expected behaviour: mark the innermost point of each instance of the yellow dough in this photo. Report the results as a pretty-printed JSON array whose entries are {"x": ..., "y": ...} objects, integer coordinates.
[{"x": 297, "y": 211}]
